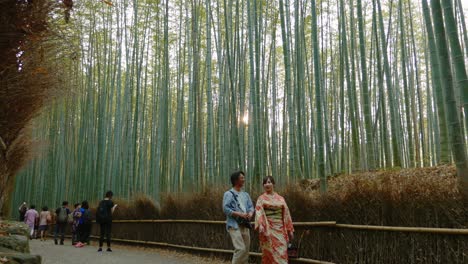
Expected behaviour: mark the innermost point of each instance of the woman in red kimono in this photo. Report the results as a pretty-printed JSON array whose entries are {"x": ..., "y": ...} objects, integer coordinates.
[{"x": 274, "y": 224}]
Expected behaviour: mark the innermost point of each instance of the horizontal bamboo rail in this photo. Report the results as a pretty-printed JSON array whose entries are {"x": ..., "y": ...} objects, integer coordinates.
[
  {"x": 443, "y": 231},
  {"x": 211, "y": 250},
  {"x": 324, "y": 223}
]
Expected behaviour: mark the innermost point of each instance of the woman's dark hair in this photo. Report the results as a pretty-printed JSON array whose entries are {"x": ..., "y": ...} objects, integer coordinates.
[
  {"x": 64, "y": 203},
  {"x": 85, "y": 205},
  {"x": 76, "y": 205},
  {"x": 32, "y": 207},
  {"x": 109, "y": 194},
  {"x": 45, "y": 208},
  {"x": 235, "y": 177},
  {"x": 269, "y": 177}
]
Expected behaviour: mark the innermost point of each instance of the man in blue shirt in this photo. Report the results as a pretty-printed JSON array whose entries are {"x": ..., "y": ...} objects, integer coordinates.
[{"x": 239, "y": 209}]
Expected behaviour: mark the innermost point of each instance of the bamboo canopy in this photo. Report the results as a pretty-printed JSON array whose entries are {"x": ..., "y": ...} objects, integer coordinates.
[{"x": 171, "y": 97}]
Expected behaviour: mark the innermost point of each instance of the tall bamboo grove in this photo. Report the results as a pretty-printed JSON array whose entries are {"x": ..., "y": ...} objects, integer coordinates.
[{"x": 172, "y": 96}]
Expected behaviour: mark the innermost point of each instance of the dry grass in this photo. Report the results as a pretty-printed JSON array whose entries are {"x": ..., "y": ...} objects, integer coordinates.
[
  {"x": 425, "y": 197},
  {"x": 28, "y": 79},
  {"x": 205, "y": 205},
  {"x": 139, "y": 207}
]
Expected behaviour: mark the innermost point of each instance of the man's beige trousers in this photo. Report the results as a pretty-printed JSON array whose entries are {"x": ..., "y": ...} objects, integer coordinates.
[{"x": 241, "y": 241}]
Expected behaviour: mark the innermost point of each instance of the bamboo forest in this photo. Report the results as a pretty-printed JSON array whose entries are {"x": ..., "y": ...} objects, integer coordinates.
[
  {"x": 170, "y": 96},
  {"x": 158, "y": 98}
]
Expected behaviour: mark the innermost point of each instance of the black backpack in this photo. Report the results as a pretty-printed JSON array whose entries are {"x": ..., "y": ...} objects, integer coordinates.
[
  {"x": 86, "y": 216},
  {"x": 103, "y": 214}
]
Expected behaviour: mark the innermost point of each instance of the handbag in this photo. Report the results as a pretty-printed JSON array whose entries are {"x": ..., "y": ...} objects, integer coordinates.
[{"x": 293, "y": 251}]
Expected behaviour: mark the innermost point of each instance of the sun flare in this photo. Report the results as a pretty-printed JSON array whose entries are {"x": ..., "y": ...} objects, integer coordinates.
[{"x": 245, "y": 118}]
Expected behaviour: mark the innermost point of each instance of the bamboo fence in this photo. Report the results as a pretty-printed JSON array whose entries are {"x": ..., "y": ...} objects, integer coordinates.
[
  {"x": 382, "y": 242},
  {"x": 445, "y": 231}
]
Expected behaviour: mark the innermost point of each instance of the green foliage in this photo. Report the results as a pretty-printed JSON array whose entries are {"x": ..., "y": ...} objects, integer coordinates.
[{"x": 172, "y": 96}]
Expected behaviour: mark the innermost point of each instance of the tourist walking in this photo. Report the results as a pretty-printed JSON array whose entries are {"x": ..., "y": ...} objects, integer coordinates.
[
  {"x": 44, "y": 220},
  {"x": 104, "y": 218},
  {"x": 61, "y": 223},
  {"x": 85, "y": 223},
  {"x": 238, "y": 208},
  {"x": 22, "y": 211},
  {"x": 76, "y": 221},
  {"x": 30, "y": 218},
  {"x": 274, "y": 224}
]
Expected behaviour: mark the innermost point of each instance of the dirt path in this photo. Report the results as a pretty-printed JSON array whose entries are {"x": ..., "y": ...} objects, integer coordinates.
[{"x": 52, "y": 254}]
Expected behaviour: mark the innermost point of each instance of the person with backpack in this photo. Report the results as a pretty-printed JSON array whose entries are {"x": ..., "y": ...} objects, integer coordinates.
[
  {"x": 84, "y": 226},
  {"x": 61, "y": 223},
  {"x": 104, "y": 218},
  {"x": 76, "y": 221}
]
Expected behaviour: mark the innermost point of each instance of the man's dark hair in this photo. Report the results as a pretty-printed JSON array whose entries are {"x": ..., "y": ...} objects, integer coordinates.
[
  {"x": 64, "y": 203},
  {"x": 85, "y": 205},
  {"x": 45, "y": 208},
  {"x": 109, "y": 194},
  {"x": 33, "y": 207},
  {"x": 269, "y": 177},
  {"x": 76, "y": 205},
  {"x": 235, "y": 177}
]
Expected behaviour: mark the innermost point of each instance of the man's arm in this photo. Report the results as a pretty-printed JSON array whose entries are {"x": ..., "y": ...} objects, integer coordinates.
[
  {"x": 228, "y": 209},
  {"x": 113, "y": 207},
  {"x": 227, "y": 199}
]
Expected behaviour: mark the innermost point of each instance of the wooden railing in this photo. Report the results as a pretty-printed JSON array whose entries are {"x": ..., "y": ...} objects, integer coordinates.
[
  {"x": 147, "y": 234},
  {"x": 445, "y": 231}
]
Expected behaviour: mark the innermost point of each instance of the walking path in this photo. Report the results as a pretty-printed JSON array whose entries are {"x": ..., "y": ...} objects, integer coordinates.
[{"x": 56, "y": 254}]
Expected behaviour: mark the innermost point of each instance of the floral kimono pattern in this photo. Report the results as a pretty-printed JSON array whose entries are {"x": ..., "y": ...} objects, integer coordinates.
[{"x": 273, "y": 222}]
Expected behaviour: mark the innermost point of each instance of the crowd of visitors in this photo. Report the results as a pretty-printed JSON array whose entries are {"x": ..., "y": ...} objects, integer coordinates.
[{"x": 79, "y": 221}]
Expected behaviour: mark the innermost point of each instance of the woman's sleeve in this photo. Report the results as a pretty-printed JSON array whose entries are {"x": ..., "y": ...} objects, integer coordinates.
[
  {"x": 288, "y": 224},
  {"x": 259, "y": 216}
]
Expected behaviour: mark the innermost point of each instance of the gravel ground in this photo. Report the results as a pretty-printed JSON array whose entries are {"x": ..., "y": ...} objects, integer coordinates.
[{"x": 52, "y": 254}]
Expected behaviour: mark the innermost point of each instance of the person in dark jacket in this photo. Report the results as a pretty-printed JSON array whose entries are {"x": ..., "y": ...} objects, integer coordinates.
[
  {"x": 61, "y": 223},
  {"x": 104, "y": 218}
]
